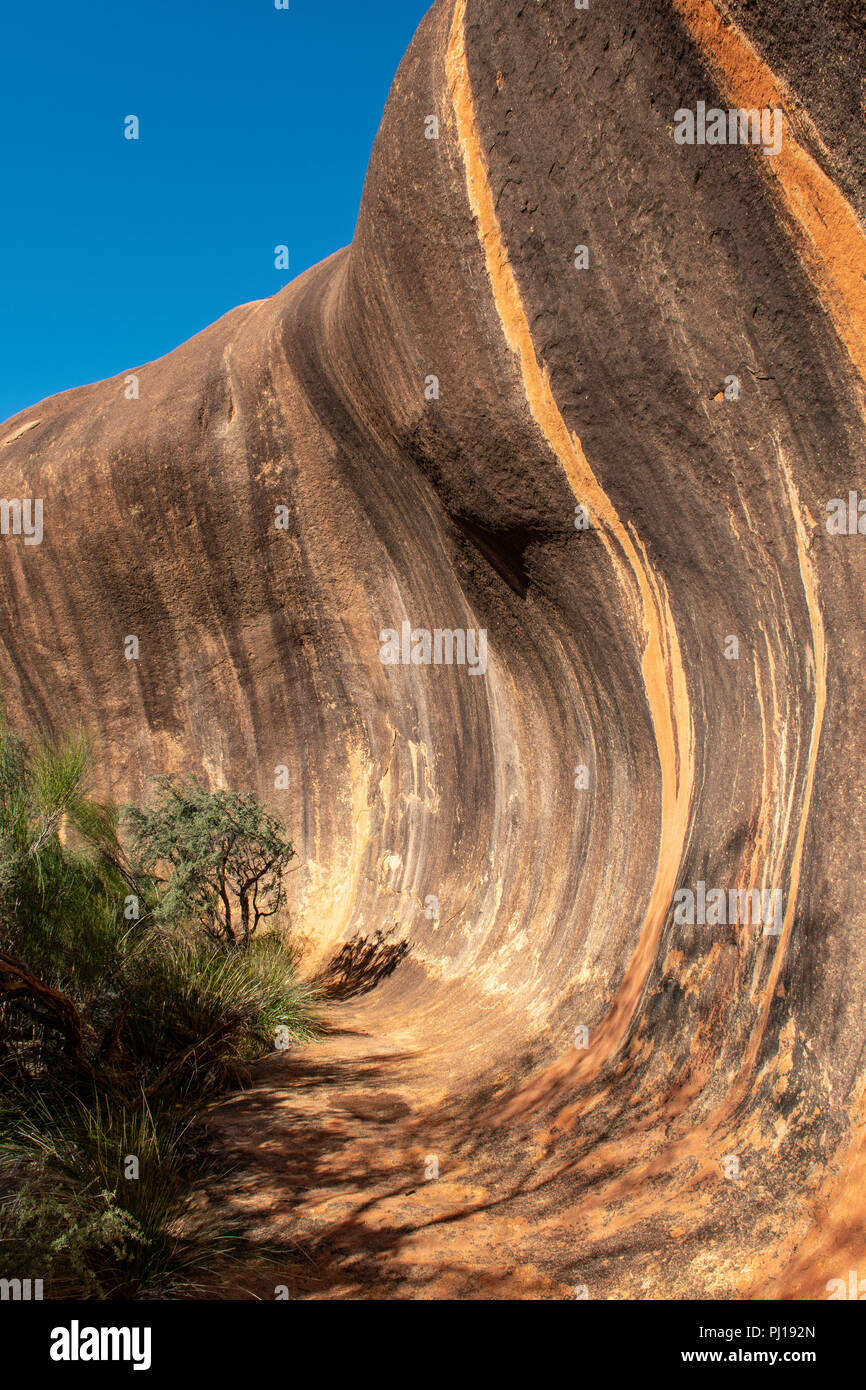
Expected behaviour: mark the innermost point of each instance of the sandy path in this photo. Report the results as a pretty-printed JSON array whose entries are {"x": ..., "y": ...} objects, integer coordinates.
[{"x": 332, "y": 1144}]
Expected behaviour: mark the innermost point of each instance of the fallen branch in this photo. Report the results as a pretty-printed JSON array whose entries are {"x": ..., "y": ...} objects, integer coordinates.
[{"x": 59, "y": 1012}]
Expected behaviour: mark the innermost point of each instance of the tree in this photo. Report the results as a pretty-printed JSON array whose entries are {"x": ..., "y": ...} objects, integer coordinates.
[{"x": 225, "y": 852}]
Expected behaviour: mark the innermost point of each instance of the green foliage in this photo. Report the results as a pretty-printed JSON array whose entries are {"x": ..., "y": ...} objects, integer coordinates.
[
  {"x": 225, "y": 854},
  {"x": 68, "y": 1208},
  {"x": 114, "y": 1025},
  {"x": 198, "y": 1010},
  {"x": 61, "y": 865}
]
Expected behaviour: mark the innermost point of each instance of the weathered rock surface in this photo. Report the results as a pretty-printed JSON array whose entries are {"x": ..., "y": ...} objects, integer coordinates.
[{"x": 608, "y": 648}]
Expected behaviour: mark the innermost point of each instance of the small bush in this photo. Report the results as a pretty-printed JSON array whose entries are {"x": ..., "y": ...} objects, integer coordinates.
[{"x": 225, "y": 855}]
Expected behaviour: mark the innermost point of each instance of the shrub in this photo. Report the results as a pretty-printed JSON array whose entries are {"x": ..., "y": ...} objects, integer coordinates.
[{"x": 225, "y": 853}]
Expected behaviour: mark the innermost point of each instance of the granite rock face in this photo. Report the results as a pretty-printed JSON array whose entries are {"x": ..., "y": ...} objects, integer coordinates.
[{"x": 586, "y": 390}]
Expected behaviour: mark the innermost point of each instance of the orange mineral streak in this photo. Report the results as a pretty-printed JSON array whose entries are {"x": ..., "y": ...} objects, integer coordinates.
[
  {"x": 832, "y": 246},
  {"x": 819, "y": 649},
  {"x": 645, "y": 594},
  {"x": 830, "y": 241},
  {"x": 703, "y": 1141}
]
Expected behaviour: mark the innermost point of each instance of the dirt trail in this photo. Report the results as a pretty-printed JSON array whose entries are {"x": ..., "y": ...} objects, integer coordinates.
[
  {"x": 331, "y": 1153},
  {"x": 332, "y": 1144}
]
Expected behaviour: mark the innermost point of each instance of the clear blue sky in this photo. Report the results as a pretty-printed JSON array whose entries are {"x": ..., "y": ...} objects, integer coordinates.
[{"x": 256, "y": 128}]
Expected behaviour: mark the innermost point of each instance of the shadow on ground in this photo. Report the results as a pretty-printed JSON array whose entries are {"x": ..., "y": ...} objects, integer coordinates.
[{"x": 360, "y": 965}]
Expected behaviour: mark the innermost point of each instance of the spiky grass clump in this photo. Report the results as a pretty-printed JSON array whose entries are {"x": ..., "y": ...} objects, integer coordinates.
[
  {"x": 196, "y": 1010},
  {"x": 93, "y": 1197}
]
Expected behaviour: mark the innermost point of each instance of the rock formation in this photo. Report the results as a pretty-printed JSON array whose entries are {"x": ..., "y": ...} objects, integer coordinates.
[{"x": 588, "y": 390}]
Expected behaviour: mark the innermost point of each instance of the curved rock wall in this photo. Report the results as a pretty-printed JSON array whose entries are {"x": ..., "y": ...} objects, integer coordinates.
[{"x": 293, "y": 482}]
